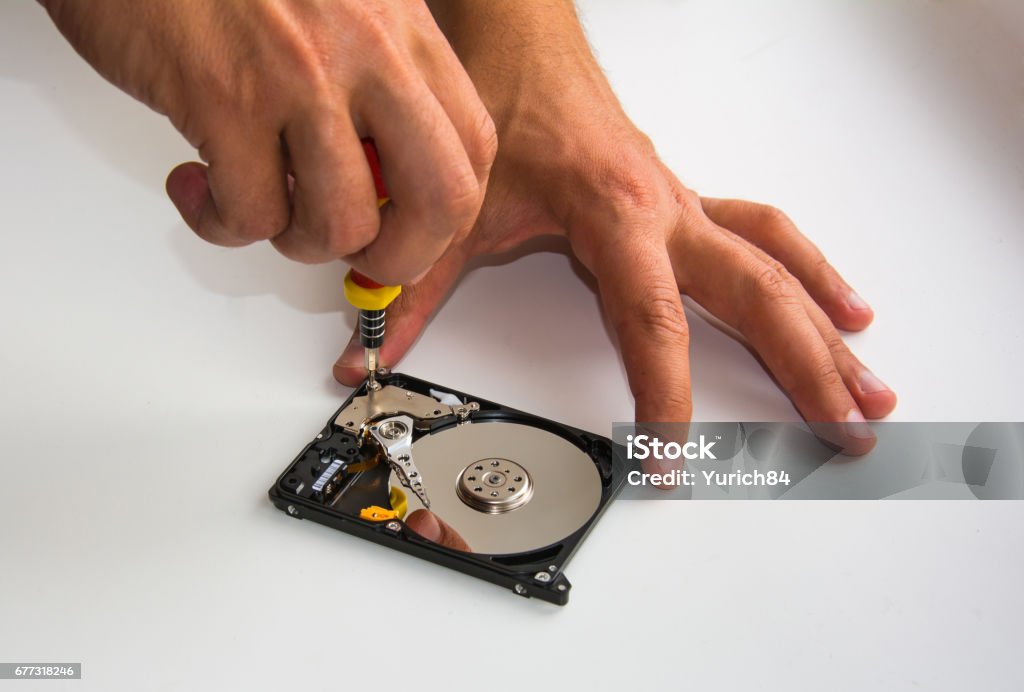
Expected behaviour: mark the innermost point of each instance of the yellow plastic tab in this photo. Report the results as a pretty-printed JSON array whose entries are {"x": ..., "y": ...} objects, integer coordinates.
[
  {"x": 369, "y": 298},
  {"x": 375, "y": 513},
  {"x": 398, "y": 502}
]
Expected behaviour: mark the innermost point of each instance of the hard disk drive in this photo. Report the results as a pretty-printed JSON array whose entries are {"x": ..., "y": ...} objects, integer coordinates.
[{"x": 521, "y": 492}]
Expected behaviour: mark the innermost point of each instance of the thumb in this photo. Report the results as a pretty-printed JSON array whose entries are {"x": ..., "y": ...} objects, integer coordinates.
[
  {"x": 431, "y": 527},
  {"x": 406, "y": 317}
]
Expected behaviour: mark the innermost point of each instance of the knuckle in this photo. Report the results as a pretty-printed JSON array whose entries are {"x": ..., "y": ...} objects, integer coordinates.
[
  {"x": 402, "y": 76},
  {"x": 346, "y": 236},
  {"x": 659, "y": 314},
  {"x": 482, "y": 146},
  {"x": 689, "y": 213},
  {"x": 677, "y": 401},
  {"x": 780, "y": 269},
  {"x": 771, "y": 216},
  {"x": 820, "y": 266},
  {"x": 644, "y": 143},
  {"x": 688, "y": 201},
  {"x": 460, "y": 195},
  {"x": 311, "y": 77},
  {"x": 817, "y": 374},
  {"x": 377, "y": 27},
  {"x": 630, "y": 188},
  {"x": 772, "y": 282},
  {"x": 370, "y": 26},
  {"x": 837, "y": 347},
  {"x": 823, "y": 369},
  {"x": 769, "y": 284},
  {"x": 380, "y": 40}
]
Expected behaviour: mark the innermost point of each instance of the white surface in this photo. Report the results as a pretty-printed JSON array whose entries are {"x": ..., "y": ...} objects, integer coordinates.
[{"x": 153, "y": 387}]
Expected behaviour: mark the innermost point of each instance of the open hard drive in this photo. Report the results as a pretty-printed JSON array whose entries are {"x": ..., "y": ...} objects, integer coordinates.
[{"x": 522, "y": 492}]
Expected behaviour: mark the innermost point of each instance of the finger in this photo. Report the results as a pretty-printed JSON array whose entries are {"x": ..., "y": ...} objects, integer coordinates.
[
  {"x": 763, "y": 303},
  {"x": 240, "y": 197},
  {"x": 873, "y": 396},
  {"x": 639, "y": 295},
  {"x": 771, "y": 230},
  {"x": 405, "y": 318},
  {"x": 434, "y": 192},
  {"x": 333, "y": 196},
  {"x": 430, "y": 526}
]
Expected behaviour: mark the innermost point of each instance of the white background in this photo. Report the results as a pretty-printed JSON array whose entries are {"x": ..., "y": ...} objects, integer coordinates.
[{"x": 153, "y": 386}]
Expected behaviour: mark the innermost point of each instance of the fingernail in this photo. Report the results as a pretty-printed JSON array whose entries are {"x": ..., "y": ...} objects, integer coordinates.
[
  {"x": 352, "y": 356},
  {"x": 856, "y": 426},
  {"x": 856, "y": 302},
  {"x": 869, "y": 383}
]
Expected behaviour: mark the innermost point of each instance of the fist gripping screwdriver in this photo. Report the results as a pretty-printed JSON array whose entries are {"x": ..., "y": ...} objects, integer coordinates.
[{"x": 368, "y": 296}]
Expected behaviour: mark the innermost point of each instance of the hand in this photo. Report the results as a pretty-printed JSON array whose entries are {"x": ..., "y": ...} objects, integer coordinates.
[
  {"x": 572, "y": 163},
  {"x": 430, "y": 526},
  {"x": 276, "y": 94}
]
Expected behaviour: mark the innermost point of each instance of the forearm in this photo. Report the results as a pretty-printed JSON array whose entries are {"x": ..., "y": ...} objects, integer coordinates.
[
  {"x": 473, "y": 25},
  {"x": 507, "y": 45}
]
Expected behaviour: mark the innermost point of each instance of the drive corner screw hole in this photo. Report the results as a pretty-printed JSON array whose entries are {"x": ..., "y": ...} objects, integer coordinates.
[
  {"x": 292, "y": 480},
  {"x": 437, "y": 412}
]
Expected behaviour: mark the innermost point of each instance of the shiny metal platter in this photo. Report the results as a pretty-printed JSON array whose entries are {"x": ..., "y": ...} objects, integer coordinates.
[{"x": 558, "y": 488}]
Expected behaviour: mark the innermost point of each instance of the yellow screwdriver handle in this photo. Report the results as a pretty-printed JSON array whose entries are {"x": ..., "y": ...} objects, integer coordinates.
[{"x": 365, "y": 294}]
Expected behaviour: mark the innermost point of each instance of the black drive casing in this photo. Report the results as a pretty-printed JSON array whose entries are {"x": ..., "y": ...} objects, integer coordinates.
[{"x": 536, "y": 573}]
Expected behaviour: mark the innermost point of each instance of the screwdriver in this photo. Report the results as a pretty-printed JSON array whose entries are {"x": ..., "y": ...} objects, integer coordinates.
[{"x": 365, "y": 294}]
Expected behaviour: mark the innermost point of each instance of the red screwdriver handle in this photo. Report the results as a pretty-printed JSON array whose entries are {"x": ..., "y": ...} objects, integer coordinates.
[
  {"x": 382, "y": 198},
  {"x": 374, "y": 160}
]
